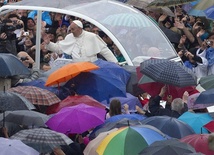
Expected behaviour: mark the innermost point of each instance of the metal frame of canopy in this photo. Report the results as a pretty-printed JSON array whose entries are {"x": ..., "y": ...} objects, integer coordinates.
[{"x": 73, "y": 13}]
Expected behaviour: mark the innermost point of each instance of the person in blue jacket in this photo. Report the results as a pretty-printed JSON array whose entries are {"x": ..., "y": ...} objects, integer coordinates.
[{"x": 45, "y": 16}]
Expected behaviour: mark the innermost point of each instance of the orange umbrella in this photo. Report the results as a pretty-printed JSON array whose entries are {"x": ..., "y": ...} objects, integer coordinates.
[{"x": 69, "y": 71}]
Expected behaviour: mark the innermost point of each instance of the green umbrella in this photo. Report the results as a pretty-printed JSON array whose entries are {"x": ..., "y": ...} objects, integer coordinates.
[
  {"x": 161, "y": 3},
  {"x": 129, "y": 140},
  {"x": 207, "y": 82}
]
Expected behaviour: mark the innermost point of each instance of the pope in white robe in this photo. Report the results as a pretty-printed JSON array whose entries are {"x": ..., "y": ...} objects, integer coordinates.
[{"x": 81, "y": 45}]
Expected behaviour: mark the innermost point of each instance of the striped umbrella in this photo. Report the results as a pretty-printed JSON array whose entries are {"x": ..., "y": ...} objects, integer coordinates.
[
  {"x": 129, "y": 140},
  {"x": 126, "y": 20}
]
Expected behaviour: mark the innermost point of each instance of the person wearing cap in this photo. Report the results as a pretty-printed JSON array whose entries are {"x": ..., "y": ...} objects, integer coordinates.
[{"x": 81, "y": 45}]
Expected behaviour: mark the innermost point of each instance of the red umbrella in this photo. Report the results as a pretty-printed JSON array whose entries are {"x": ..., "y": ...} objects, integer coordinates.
[
  {"x": 209, "y": 126},
  {"x": 199, "y": 142},
  {"x": 74, "y": 100},
  {"x": 153, "y": 88}
]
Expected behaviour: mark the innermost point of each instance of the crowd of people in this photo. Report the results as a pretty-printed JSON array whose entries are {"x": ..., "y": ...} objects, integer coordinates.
[{"x": 69, "y": 37}]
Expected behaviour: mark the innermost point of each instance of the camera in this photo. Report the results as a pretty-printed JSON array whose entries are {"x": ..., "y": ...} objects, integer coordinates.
[
  {"x": 8, "y": 30},
  {"x": 200, "y": 24},
  {"x": 23, "y": 58},
  {"x": 26, "y": 33}
]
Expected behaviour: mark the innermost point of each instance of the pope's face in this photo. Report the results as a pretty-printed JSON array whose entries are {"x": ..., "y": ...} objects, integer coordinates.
[{"x": 75, "y": 30}]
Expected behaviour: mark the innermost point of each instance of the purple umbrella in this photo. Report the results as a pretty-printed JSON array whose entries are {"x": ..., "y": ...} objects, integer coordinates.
[
  {"x": 192, "y": 105},
  {"x": 76, "y": 119},
  {"x": 131, "y": 100}
]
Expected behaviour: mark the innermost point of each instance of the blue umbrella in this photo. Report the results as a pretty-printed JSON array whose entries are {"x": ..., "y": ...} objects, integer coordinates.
[
  {"x": 129, "y": 99},
  {"x": 196, "y": 121},
  {"x": 127, "y": 116},
  {"x": 205, "y": 97},
  {"x": 110, "y": 125},
  {"x": 209, "y": 12},
  {"x": 113, "y": 69},
  {"x": 170, "y": 126},
  {"x": 10, "y": 65},
  {"x": 101, "y": 84}
]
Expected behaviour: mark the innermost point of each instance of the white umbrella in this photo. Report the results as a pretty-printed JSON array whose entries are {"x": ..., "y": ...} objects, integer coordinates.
[{"x": 15, "y": 147}]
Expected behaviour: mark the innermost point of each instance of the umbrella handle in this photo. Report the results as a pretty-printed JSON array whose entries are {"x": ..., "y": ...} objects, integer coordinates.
[{"x": 3, "y": 119}]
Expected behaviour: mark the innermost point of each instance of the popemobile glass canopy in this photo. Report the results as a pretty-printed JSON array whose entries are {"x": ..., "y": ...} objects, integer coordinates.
[{"x": 135, "y": 34}]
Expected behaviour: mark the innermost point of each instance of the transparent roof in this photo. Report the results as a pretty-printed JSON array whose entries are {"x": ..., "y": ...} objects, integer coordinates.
[{"x": 134, "y": 33}]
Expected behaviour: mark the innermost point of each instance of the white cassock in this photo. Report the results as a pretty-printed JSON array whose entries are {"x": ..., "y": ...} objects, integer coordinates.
[
  {"x": 83, "y": 48},
  {"x": 201, "y": 69}
]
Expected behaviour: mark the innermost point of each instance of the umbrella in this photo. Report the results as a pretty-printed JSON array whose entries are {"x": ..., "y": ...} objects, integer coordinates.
[
  {"x": 171, "y": 35},
  {"x": 198, "y": 9},
  {"x": 205, "y": 97},
  {"x": 26, "y": 117},
  {"x": 61, "y": 92},
  {"x": 131, "y": 100},
  {"x": 72, "y": 101},
  {"x": 13, "y": 101},
  {"x": 108, "y": 81},
  {"x": 10, "y": 65},
  {"x": 93, "y": 144},
  {"x": 15, "y": 147},
  {"x": 168, "y": 72},
  {"x": 161, "y": 3},
  {"x": 170, "y": 146},
  {"x": 130, "y": 86},
  {"x": 132, "y": 20},
  {"x": 129, "y": 140},
  {"x": 199, "y": 142},
  {"x": 37, "y": 96},
  {"x": 113, "y": 69},
  {"x": 192, "y": 105},
  {"x": 116, "y": 118},
  {"x": 210, "y": 126},
  {"x": 140, "y": 4},
  {"x": 209, "y": 12},
  {"x": 207, "y": 82},
  {"x": 69, "y": 71},
  {"x": 111, "y": 125},
  {"x": 76, "y": 119},
  {"x": 153, "y": 88},
  {"x": 41, "y": 139},
  {"x": 196, "y": 121},
  {"x": 170, "y": 126}
]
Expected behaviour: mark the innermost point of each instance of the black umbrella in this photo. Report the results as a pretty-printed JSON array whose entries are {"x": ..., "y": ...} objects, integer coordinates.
[
  {"x": 10, "y": 101},
  {"x": 13, "y": 101},
  {"x": 10, "y": 65},
  {"x": 168, "y": 147},
  {"x": 170, "y": 126},
  {"x": 168, "y": 72},
  {"x": 171, "y": 35}
]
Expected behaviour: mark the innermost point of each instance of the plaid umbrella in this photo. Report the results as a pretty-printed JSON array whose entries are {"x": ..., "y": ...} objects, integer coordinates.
[
  {"x": 41, "y": 139},
  {"x": 168, "y": 72},
  {"x": 37, "y": 96},
  {"x": 161, "y": 3}
]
